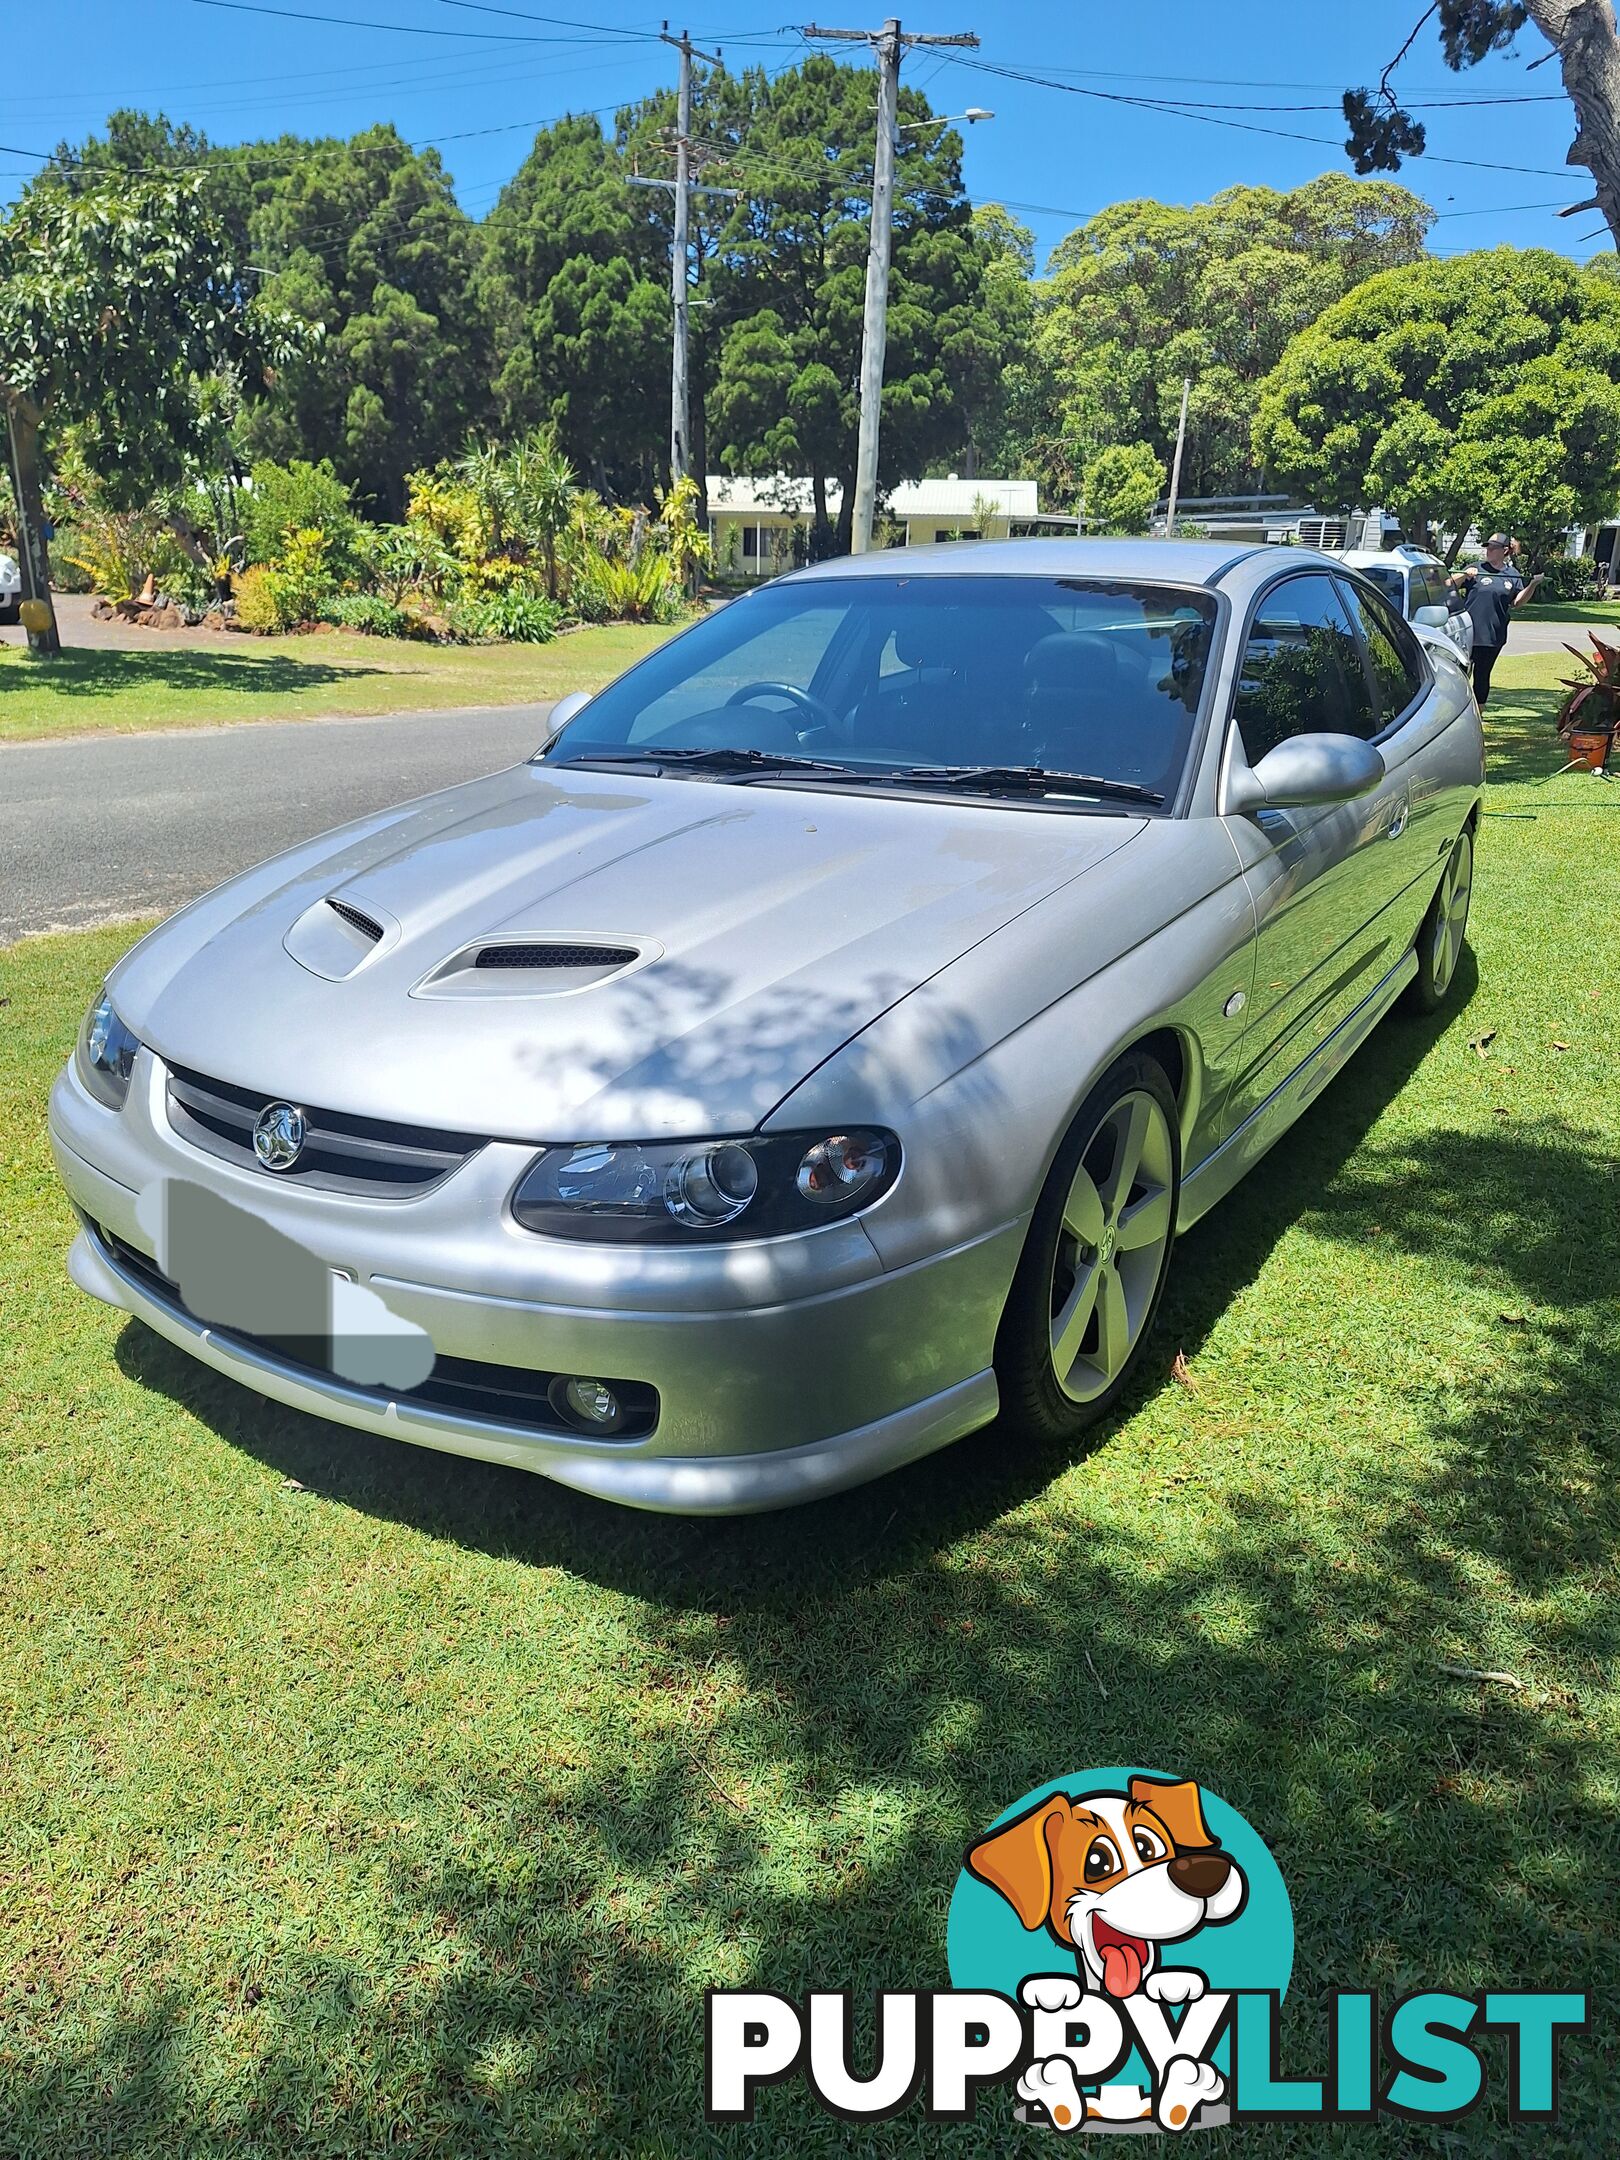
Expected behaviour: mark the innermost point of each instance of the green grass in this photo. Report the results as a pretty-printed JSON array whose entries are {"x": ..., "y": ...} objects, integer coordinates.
[
  {"x": 360, "y": 1799},
  {"x": 297, "y": 678},
  {"x": 1596, "y": 612}
]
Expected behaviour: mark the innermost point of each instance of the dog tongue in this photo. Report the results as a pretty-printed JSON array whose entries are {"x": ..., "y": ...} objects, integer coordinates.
[{"x": 1122, "y": 1969}]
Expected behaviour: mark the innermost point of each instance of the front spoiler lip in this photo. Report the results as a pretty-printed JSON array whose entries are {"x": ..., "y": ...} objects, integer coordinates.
[{"x": 665, "y": 1484}]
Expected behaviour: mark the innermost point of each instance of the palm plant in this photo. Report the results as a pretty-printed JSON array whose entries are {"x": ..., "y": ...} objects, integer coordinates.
[{"x": 541, "y": 484}]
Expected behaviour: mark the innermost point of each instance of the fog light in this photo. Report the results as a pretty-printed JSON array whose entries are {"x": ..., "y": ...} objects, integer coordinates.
[{"x": 587, "y": 1405}]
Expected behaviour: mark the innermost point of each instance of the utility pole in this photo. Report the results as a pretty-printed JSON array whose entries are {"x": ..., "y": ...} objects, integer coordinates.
[
  {"x": 1175, "y": 469},
  {"x": 683, "y": 188},
  {"x": 888, "y": 44}
]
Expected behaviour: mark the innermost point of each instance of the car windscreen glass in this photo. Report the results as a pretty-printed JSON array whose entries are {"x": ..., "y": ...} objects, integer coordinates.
[
  {"x": 1390, "y": 582},
  {"x": 875, "y": 675}
]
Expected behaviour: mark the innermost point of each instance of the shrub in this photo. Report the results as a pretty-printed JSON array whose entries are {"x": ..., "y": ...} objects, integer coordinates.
[
  {"x": 645, "y": 590},
  {"x": 302, "y": 578},
  {"x": 448, "y": 509},
  {"x": 523, "y": 618},
  {"x": 368, "y": 612},
  {"x": 299, "y": 497},
  {"x": 116, "y": 551},
  {"x": 257, "y": 607},
  {"x": 482, "y": 580},
  {"x": 1568, "y": 577}
]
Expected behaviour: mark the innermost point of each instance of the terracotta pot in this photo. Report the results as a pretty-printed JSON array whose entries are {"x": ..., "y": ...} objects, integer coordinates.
[{"x": 1589, "y": 748}]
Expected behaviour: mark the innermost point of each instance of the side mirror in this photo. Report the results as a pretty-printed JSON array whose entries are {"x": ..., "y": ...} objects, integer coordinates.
[
  {"x": 1432, "y": 618},
  {"x": 560, "y": 715},
  {"x": 1305, "y": 770}
]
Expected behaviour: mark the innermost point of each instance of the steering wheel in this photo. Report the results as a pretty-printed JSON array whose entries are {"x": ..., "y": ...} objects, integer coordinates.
[{"x": 811, "y": 708}]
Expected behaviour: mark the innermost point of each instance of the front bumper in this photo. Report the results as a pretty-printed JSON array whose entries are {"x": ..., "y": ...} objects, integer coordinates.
[{"x": 785, "y": 1370}]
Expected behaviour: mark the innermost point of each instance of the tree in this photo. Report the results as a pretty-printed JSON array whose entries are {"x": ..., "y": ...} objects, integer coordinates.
[
  {"x": 1123, "y": 483},
  {"x": 788, "y": 278},
  {"x": 369, "y": 241},
  {"x": 576, "y": 287},
  {"x": 1484, "y": 389},
  {"x": 1147, "y": 293},
  {"x": 1584, "y": 35},
  {"x": 117, "y": 300}
]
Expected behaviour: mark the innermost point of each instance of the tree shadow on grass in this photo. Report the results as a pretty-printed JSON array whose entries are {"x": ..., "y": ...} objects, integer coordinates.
[
  {"x": 1521, "y": 741},
  {"x": 853, "y": 1691},
  {"x": 86, "y": 673},
  {"x": 802, "y": 1824}
]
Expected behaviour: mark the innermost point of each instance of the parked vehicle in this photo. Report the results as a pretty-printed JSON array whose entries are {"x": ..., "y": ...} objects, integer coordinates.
[
  {"x": 816, "y": 1047},
  {"x": 1415, "y": 582},
  {"x": 10, "y": 589}
]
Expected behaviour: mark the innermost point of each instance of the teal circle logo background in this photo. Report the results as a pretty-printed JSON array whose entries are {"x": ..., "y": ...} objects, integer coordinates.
[{"x": 987, "y": 1946}]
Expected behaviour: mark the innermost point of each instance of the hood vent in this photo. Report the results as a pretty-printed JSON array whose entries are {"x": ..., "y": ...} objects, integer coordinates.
[
  {"x": 530, "y": 967},
  {"x": 334, "y": 937},
  {"x": 369, "y": 930},
  {"x": 600, "y": 957}
]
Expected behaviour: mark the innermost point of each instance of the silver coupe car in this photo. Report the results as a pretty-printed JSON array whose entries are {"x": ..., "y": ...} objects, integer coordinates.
[{"x": 815, "y": 1048}]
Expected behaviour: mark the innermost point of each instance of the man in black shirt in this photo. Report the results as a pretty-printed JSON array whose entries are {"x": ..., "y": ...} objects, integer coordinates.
[{"x": 1488, "y": 595}]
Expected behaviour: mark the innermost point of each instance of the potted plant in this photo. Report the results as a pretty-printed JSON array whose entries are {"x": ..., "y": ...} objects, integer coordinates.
[{"x": 1590, "y": 713}]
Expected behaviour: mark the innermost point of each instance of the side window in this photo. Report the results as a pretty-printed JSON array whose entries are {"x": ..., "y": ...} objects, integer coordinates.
[
  {"x": 1301, "y": 671},
  {"x": 1394, "y": 653}
]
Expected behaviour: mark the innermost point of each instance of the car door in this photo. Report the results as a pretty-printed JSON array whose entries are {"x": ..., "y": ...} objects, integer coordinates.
[
  {"x": 1411, "y": 717},
  {"x": 1316, "y": 875}
]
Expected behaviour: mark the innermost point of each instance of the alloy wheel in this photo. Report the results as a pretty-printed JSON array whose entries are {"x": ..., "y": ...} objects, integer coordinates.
[
  {"x": 1451, "y": 914},
  {"x": 1117, "y": 1222}
]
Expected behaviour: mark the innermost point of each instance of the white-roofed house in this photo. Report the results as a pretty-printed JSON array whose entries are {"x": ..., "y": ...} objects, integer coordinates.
[{"x": 760, "y": 527}]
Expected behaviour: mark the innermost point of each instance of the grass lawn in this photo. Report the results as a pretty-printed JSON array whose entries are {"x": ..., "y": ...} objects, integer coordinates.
[
  {"x": 295, "y": 678},
  {"x": 360, "y": 1799},
  {"x": 1596, "y": 613}
]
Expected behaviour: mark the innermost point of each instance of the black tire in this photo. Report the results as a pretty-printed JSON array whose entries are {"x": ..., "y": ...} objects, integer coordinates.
[
  {"x": 1440, "y": 941},
  {"x": 1033, "y": 1397},
  {"x": 10, "y": 614}
]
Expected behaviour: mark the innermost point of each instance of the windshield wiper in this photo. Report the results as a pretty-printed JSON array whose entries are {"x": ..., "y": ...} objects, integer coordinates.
[
  {"x": 1023, "y": 780},
  {"x": 718, "y": 759}
]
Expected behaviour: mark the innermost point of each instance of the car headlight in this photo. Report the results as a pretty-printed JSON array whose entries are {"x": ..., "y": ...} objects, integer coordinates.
[
  {"x": 1460, "y": 630},
  {"x": 106, "y": 1054},
  {"x": 673, "y": 1192}
]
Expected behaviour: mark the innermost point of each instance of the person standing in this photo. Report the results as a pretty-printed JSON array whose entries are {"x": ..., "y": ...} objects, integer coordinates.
[{"x": 1487, "y": 595}]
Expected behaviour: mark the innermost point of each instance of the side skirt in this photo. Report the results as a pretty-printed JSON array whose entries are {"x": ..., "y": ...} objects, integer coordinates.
[{"x": 1214, "y": 1177}]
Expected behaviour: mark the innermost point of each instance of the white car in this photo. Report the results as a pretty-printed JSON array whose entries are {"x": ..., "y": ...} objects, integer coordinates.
[
  {"x": 1415, "y": 582},
  {"x": 10, "y": 589}
]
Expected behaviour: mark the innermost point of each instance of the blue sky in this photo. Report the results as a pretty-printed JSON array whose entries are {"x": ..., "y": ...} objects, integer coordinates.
[{"x": 1056, "y": 154}]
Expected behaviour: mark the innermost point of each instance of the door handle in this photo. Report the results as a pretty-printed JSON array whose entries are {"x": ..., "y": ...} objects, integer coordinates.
[{"x": 1397, "y": 824}]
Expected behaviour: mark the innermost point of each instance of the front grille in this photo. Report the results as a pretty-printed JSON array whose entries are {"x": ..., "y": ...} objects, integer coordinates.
[
  {"x": 556, "y": 956},
  {"x": 512, "y": 1395},
  {"x": 341, "y": 1153},
  {"x": 355, "y": 920}
]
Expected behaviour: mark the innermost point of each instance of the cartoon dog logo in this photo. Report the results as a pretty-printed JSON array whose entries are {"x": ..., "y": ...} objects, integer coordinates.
[{"x": 1111, "y": 1876}]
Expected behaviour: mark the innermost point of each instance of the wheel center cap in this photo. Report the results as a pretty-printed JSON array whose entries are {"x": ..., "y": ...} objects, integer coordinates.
[{"x": 1105, "y": 1246}]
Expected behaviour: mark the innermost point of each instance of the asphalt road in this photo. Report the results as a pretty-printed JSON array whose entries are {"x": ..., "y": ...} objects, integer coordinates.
[{"x": 105, "y": 826}]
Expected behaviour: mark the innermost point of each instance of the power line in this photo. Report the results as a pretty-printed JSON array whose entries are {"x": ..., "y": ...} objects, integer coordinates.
[
  {"x": 356, "y": 22},
  {"x": 1185, "y": 111}
]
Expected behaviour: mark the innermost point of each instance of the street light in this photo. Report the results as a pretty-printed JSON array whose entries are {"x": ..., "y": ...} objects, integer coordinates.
[{"x": 973, "y": 113}]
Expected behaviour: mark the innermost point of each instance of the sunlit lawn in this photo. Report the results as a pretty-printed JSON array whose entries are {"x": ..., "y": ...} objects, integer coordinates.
[
  {"x": 297, "y": 678},
  {"x": 361, "y": 1800}
]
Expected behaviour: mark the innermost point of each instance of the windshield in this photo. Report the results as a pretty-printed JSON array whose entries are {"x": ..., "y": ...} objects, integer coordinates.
[{"x": 875, "y": 678}]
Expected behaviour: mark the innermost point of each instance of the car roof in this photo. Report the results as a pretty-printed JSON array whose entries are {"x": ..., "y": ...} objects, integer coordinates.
[
  {"x": 1236, "y": 570},
  {"x": 1390, "y": 559}
]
